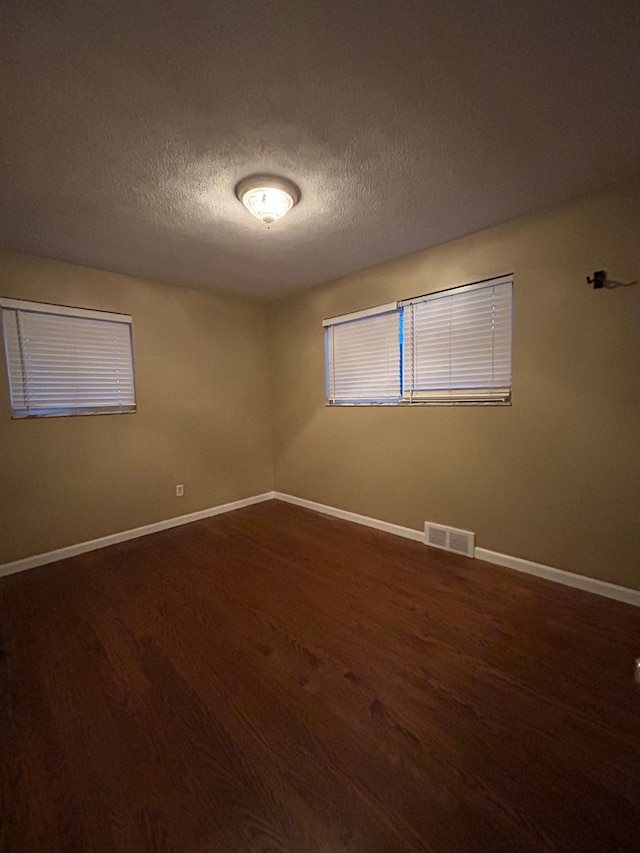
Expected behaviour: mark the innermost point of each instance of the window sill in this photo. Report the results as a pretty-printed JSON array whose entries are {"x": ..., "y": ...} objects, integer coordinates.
[
  {"x": 17, "y": 416},
  {"x": 421, "y": 403}
]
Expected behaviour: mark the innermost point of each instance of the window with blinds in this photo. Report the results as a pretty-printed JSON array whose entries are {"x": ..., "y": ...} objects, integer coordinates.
[
  {"x": 448, "y": 347},
  {"x": 67, "y": 361},
  {"x": 457, "y": 344},
  {"x": 363, "y": 357}
]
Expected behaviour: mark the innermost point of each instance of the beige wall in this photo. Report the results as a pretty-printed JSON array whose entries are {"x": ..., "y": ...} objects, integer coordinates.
[
  {"x": 203, "y": 416},
  {"x": 555, "y": 478}
]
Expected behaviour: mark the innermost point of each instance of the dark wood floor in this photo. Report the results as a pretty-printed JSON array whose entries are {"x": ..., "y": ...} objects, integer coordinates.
[{"x": 275, "y": 680}]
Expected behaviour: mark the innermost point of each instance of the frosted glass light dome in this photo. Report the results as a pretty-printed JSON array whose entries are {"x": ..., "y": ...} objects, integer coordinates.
[{"x": 267, "y": 198}]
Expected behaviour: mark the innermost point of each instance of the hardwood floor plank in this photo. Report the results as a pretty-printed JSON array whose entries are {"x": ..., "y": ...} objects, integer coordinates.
[{"x": 277, "y": 680}]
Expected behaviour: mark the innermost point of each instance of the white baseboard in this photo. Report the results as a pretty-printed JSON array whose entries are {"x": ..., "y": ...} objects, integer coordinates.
[
  {"x": 114, "y": 538},
  {"x": 345, "y": 515},
  {"x": 608, "y": 590}
]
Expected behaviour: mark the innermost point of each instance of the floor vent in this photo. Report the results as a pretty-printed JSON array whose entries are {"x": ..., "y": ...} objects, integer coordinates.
[{"x": 450, "y": 539}]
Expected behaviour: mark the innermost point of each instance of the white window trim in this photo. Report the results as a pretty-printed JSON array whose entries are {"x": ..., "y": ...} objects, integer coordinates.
[
  {"x": 450, "y": 291},
  {"x": 66, "y": 310},
  {"x": 359, "y": 315}
]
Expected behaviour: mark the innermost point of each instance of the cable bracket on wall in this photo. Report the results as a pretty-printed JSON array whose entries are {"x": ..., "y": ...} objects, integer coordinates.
[{"x": 601, "y": 279}]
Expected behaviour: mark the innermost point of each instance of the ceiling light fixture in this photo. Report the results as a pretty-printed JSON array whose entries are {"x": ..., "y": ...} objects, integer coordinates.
[{"x": 266, "y": 197}]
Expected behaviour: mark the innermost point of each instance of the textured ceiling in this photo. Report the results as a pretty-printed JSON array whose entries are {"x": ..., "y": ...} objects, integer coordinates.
[{"x": 126, "y": 125}]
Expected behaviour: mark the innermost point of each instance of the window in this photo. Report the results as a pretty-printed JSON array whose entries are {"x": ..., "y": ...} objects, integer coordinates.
[
  {"x": 67, "y": 361},
  {"x": 363, "y": 356},
  {"x": 448, "y": 347},
  {"x": 458, "y": 344}
]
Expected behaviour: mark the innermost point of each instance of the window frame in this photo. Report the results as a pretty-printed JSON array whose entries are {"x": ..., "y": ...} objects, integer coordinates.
[
  {"x": 78, "y": 363},
  {"x": 352, "y": 322},
  {"x": 487, "y": 395}
]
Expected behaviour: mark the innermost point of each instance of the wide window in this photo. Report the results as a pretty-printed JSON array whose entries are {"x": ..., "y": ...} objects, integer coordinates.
[
  {"x": 453, "y": 346},
  {"x": 67, "y": 361}
]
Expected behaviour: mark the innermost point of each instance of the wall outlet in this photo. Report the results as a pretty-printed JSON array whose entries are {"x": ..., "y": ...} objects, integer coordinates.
[{"x": 179, "y": 490}]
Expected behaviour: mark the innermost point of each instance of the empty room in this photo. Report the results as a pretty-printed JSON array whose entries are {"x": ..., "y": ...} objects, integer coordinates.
[{"x": 320, "y": 426}]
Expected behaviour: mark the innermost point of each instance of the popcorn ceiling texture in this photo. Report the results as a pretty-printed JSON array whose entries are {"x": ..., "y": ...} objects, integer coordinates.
[{"x": 127, "y": 124}]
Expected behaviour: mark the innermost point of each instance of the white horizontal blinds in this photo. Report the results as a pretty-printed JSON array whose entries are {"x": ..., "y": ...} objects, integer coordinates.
[
  {"x": 63, "y": 363},
  {"x": 363, "y": 359},
  {"x": 458, "y": 344}
]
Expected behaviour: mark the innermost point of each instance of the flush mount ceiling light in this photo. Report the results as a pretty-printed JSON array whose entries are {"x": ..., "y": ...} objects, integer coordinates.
[{"x": 266, "y": 197}]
